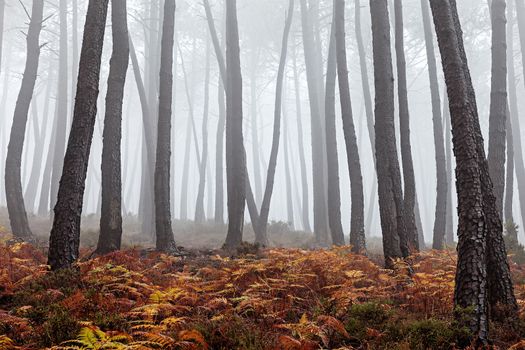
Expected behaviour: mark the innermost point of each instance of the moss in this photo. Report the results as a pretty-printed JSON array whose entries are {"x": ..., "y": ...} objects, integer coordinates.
[{"x": 373, "y": 314}]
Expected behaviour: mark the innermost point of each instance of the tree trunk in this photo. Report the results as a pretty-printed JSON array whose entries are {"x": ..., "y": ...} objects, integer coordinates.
[
  {"x": 357, "y": 228},
  {"x": 200, "y": 216},
  {"x": 439, "y": 143},
  {"x": 449, "y": 231},
  {"x": 318, "y": 149},
  {"x": 165, "y": 240},
  {"x": 332, "y": 161},
  {"x": 13, "y": 181},
  {"x": 305, "y": 207},
  {"x": 65, "y": 233},
  {"x": 111, "y": 211},
  {"x": 498, "y": 102},
  {"x": 509, "y": 181},
  {"x": 287, "y": 172},
  {"x": 235, "y": 153},
  {"x": 387, "y": 162},
  {"x": 404, "y": 122},
  {"x": 257, "y": 179}
]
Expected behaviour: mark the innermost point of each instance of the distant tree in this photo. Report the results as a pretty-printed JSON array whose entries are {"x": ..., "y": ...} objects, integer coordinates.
[
  {"x": 2, "y": 12},
  {"x": 13, "y": 181},
  {"x": 357, "y": 224},
  {"x": 65, "y": 234},
  {"x": 404, "y": 122},
  {"x": 235, "y": 154},
  {"x": 164, "y": 231},
  {"x": 111, "y": 212},
  {"x": 387, "y": 162}
]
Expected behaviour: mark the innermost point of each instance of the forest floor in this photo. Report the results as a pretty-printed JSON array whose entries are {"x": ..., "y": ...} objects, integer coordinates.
[{"x": 279, "y": 298}]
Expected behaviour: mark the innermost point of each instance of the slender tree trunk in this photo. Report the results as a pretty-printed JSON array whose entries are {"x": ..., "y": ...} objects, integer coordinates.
[
  {"x": 43, "y": 204},
  {"x": 305, "y": 207},
  {"x": 13, "y": 181},
  {"x": 62, "y": 101},
  {"x": 165, "y": 240},
  {"x": 257, "y": 172},
  {"x": 357, "y": 224},
  {"x": 509, "y": 180},
  {"x": 111, "y": 210},
  {"x": 200, "y": 216},
  {"x": 65, "y": 234},
  {"x": 404, "y": 122},
  {"x": 235, "y": 153},
  {"x": 439, "y": 143},
  {"x": 387, "y": 163},
  {"x": 498, "y": 102},
  {"x": 287, "y": 172},
  {"x": 332, "y": 160},
  {"x": 449, "y": 233}
]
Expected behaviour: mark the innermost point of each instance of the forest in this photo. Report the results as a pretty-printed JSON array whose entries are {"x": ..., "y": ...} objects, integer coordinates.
[{"x": 262, "y": 175}]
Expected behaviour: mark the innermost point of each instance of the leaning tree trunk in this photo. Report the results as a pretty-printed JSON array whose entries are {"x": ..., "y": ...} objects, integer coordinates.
[
  {"x": 165, "y": 240},
  {"x": 439, "y": 142},
  {"x": 270, "y": 176},
  {"x": 235, "y": 154},
  {"x": 111, "y": 212},
  {"x": 387, "y": 162},
  {"x": 357, "y": 228},
  {"x": 404, "y": 122},
  {"x": 13, "y": 181},
  {"x": 65, "y": 233},
  {"x": 332, "y": 161},
  {"x": 498, "y": 102}
]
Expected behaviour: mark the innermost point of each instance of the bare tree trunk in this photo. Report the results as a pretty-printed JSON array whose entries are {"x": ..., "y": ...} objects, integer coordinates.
[
  {"x": 509, "y": 180},
  {"x": 332, "y": 161},
  {"x": 357, "y": 225},
  {"x": 439, "y": 143},
  {"x": 404, "y": 122},
  {"x": 200, "y": 216},
  {"x": 449, "y": 230},
  {"x": 302, "y": 159},
  {"x": 43, "y": 204},
  {"x": 62, "y": 101},
  {"x": 287, "y": 172},
  {"x": 165, "y": 240},
  {"x": 65, "y": 234},
  {"x": 257, "y": 172},
  {"x": 387, "y": 162},
  {"x": 235, "y": 153},
  {"x": 111, "y": 209},
  {"x": 498, "y": 102},
  {"x": 13, "y": 181}
]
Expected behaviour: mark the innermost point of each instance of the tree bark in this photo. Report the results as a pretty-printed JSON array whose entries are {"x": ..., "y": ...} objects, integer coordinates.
[
  {"x": 13, "y": 182},
  {"x": 165, "y": 241},
  {"x": 449, "y": 233},
  {"x": 287, "y": 172},
  {"x": 404, "y": 122},
  {"x": 357, "y": 228},
  {"x": 65, "y": 233},
  {"x": 257, "y": 172},
  {"x": 235, "y": 153},
  {"x": 387, "y": 162},
  {"x": 111, "y": 211}
]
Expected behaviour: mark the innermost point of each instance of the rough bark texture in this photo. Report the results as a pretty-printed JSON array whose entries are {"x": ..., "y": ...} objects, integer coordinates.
[
  {"x": 404, "y": 122},
  {"x": 357, "y": 228},
  {"x": 272, "y": 165},
  {"x": 387, "y": 163},
  {"x": 111, "y": 211},
  {"x": 165, "y": 241},
  {"x": 439, "y": 142},
  {"x": 498, "y": 102},
  {"x": 235, "y": 154},
  {"x": 332, "y": 161},
  {"x": 65, "y": 234},
  {"x": 13, "y": 181},
  {"x": 318, "y": 149}
]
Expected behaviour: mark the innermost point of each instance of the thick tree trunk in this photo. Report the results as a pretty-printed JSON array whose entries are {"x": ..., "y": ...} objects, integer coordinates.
[
  {"x": 318, "y": 149},
  {"x": 404, "y": 122},
  {"x": 387, "y": 162},
  {"x": 62, "y": 101},
  {"x": 235, "y": 153},
  {"x": 439, "y": 142},
  {"x": 165, "y": 240},
  {"x": 332, "y": 161},
  {"x": 65, "y": 234},
  {"x": 305, "y": 207},
  {"x": 13, "y": 182},
  {"x": 357, "y": 228},
  {"x": 111, "y": 211},
  {"x": 200, "y": 216},
  {"x": 498, "y": 102}
]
